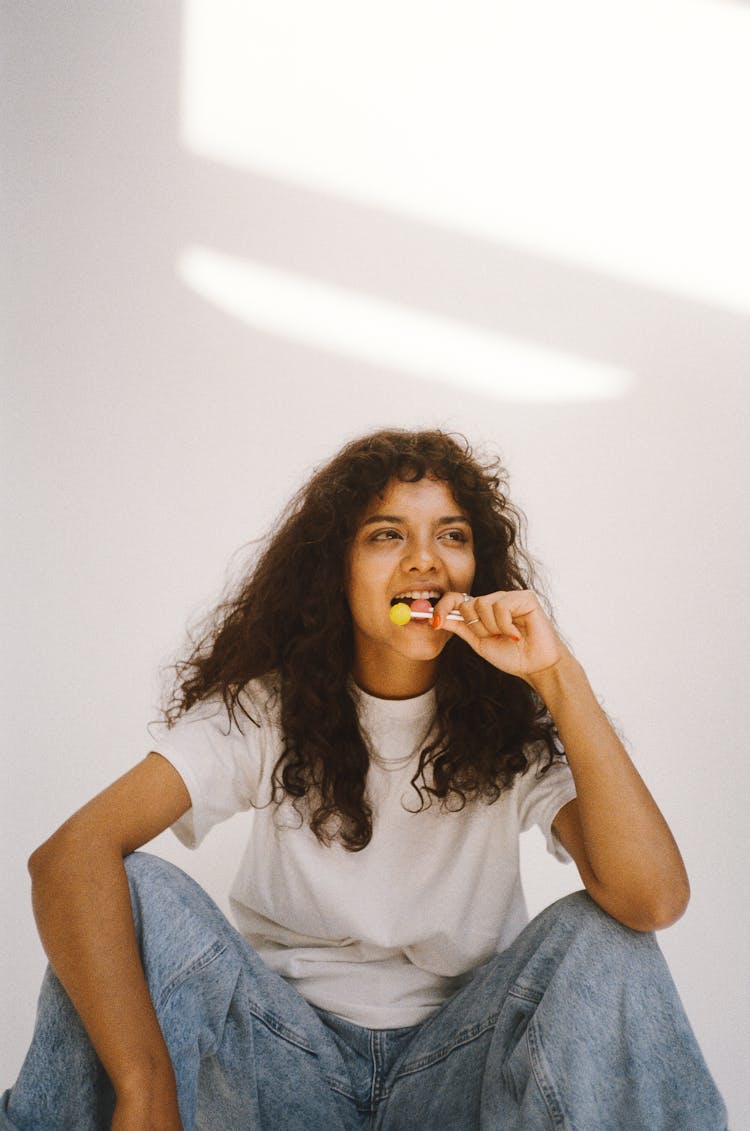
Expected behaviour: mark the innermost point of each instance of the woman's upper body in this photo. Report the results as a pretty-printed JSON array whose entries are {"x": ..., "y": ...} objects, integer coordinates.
[
  {"x": 384, "y": 935},
  {"x": 394, "y": 515}
]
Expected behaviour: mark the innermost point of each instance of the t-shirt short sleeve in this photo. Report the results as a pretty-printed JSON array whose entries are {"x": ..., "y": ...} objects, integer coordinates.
[
  {"x": 221, "y": 758},
  {"x": 541, "y": 796}
]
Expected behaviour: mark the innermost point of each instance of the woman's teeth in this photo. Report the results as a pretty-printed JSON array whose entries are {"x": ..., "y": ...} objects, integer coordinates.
[{"x": 432, "y": 596}]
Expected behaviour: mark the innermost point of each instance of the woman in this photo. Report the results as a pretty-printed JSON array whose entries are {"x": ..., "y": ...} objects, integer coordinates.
[{"x": 383, "y": 974}]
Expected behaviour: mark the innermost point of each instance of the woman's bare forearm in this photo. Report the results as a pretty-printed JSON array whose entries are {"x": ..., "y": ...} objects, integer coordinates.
[
  {"x": 81, "y": 901},
  {"x": 633, "y": 863},
  {"x": 82, "y": 907}
]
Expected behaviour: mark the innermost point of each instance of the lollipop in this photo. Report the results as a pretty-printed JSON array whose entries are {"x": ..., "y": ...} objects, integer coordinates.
[{"x": 402, "y": 614}]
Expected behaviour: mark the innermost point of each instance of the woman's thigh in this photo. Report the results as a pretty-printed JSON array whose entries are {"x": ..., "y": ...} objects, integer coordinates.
[
  {"x": 577, "y": 1024},
  {"x": 247, "y": 1049}
]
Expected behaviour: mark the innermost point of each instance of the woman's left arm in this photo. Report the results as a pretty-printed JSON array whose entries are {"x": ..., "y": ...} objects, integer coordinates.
[{"x": 614, "y": 830}]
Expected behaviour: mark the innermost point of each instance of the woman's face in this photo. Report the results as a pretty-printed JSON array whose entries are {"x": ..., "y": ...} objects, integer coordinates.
[{"x": 415, "y": 540}]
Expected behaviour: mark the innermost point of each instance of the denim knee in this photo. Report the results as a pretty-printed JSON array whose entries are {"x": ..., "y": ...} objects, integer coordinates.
[
  {"x": 579, "y": 907},
  {"x": 174, "y": 918},
  {"x": 144, "y": 871},
  {"x": 160, "y": 890},
  {"x": 575, "y": 942},
  {"x": 151, "y": 881},
  {"x": 579, "y": 913}
]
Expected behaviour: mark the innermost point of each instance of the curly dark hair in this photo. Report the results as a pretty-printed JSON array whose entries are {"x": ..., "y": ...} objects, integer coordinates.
[{"x": 290, "y": 616}]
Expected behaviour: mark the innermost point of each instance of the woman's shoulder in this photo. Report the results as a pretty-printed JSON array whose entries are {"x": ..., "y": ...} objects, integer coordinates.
[
  {"x": 257, "y": 701},
  {"x": 260, "y": 699}
]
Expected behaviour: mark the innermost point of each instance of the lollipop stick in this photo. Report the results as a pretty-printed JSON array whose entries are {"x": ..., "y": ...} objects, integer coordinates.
[
  {"x": 452, "y": 615},
  {"x": 402, "y": 614}
]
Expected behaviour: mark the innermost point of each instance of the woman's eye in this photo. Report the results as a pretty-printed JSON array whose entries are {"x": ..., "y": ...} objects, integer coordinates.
[
  {"x": 455, "y": 536},
  {"x": 385, "y": 535}
]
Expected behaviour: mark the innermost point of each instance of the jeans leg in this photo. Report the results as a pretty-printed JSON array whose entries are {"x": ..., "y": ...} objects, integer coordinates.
[
  {"x": 576, "y": 1026},
  {"x": 62, "y": 1083},
  {"x": 248, "y": 1051}
]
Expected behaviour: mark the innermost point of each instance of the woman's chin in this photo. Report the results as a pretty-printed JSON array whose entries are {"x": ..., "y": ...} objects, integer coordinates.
[{"x": 427, "y": 647}]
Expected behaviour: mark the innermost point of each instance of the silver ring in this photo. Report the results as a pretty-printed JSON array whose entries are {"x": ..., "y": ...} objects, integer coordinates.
[
  {"x": 466, "y": 597},
  {"x": 468, "y": 622}
]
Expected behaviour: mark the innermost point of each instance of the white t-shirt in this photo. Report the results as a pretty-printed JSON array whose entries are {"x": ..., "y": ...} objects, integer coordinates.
[{"x": 382, "y": 936}]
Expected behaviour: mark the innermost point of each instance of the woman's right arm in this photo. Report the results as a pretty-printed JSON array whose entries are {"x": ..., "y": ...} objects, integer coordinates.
[{"x": 82, "y": 907}]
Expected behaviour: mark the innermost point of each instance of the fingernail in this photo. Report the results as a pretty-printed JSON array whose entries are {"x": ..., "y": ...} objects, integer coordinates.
[{"x": 437, "y": 620}]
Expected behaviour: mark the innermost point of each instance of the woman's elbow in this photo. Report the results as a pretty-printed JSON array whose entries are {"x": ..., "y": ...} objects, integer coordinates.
[
  {"x": 41, "y": 857},
  {"x": 655, "y": 911},
  {"x": 63, "y": 849},
  {"x": 672, "y": 906}
]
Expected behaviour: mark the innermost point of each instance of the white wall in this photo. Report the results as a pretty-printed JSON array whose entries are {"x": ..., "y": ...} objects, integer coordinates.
[{"x": 150, "y": 435}]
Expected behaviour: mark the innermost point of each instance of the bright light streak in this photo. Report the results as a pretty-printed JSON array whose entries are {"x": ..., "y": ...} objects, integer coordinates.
[
  {"x": 601, "y": 133},
  {"x": 406, "y": 341}
]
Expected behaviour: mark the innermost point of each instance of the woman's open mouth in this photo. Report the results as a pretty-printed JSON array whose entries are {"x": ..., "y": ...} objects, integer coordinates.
[
  {"x": 427, "y": 597},
  {"x": 414, "y": 606}
]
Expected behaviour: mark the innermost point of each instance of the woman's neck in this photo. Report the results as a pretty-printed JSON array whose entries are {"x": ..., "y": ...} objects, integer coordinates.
[{"x": 396, "y": 680}]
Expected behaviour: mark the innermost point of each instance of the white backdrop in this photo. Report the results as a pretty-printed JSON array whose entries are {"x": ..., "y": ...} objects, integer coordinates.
[{"x": 219, "y": 275}]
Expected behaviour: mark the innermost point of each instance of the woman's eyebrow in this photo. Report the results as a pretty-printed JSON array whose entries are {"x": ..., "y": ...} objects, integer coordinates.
[
  {"x": 383, "y": 518},
  {"x": 446, "y": 520}
]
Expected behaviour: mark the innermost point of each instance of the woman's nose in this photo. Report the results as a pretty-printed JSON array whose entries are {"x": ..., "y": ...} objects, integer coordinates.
[{"x": 420, "y": 555}]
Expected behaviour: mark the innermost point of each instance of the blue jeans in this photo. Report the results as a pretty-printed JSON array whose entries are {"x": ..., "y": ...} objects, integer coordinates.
[{"x": 576, "y": 1026}]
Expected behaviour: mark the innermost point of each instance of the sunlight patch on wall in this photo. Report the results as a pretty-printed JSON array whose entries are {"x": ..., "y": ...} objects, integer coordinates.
[
  {"x": 604, "y": 135},
  {"x": 379, "y": 333}
]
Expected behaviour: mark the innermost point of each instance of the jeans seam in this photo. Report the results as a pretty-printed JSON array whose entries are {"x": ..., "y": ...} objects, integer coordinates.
[
  {"x": 204, "y": 959},
  {"x": 280, "y": 1029},
  {"x": 374, "y": 1042},
  {"x": 543, "y": 1081},
  {"x": 342, "y": 1088},
  {"x": 526, "y": 993},
  {"x": 465, "y": 1037}
]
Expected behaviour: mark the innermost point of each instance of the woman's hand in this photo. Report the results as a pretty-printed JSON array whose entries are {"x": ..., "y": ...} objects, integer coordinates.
[
  {"x": 613, "y": 829},
  {"x": 510, "y": 630}
]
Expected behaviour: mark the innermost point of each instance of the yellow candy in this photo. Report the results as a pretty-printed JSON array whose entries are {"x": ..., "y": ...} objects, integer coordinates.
[{"x": 400, "y": 613}]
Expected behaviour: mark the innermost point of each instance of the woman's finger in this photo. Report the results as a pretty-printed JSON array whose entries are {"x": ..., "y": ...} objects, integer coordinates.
[
  {"x": 504, "y": 621},
  {"x": 495, "y": 615}
]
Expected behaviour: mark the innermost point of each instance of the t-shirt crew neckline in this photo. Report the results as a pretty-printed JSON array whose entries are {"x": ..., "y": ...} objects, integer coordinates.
[{"x": 390, "y": 723}]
